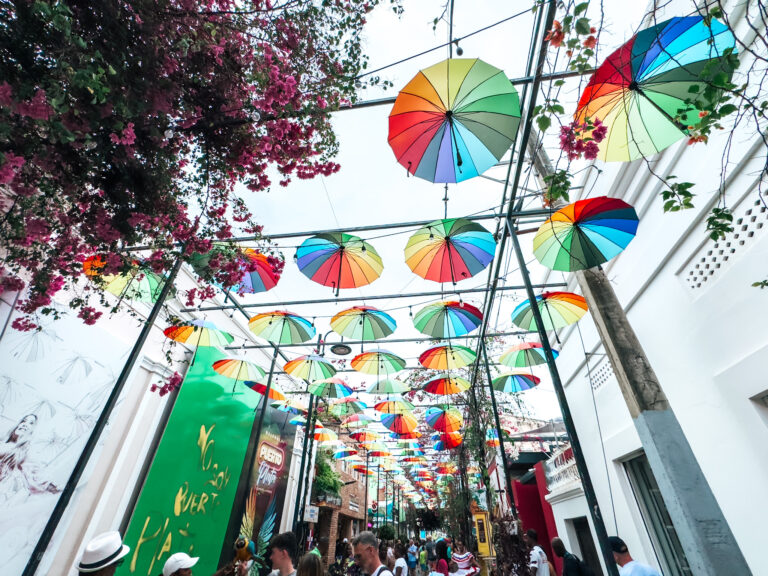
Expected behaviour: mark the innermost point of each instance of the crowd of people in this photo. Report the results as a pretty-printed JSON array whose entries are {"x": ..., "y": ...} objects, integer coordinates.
[{"x": 365, "y": 555}]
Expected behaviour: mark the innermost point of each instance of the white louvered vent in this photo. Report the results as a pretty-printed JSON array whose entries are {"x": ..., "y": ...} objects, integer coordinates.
[
  {"x": 601, "y": 373},
  {"x": 750, "y": 221}
]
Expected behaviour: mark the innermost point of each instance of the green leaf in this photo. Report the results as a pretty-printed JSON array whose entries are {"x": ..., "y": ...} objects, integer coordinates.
[
  {"x": 583, "y": 26},
  {"x": 581, "y": 8},
  {"x": 543, "y": 123},
  {"x": 727, "y": 109}
]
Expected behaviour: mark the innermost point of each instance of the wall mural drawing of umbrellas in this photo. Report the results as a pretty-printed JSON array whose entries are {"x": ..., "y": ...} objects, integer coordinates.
[
  {"x": 454, "y": 120},
  {"x": 339, "y": 260},
  {"x": 449, "y": 319},
  {"x": 646, "y": 91},
  {"x": 558, "y": 310},
  {"x": 585, "y": 234},
  {"x": 449, "y": 250},
  {"x": 525, "y": 355},
  {"x": 364, "y": 323}
]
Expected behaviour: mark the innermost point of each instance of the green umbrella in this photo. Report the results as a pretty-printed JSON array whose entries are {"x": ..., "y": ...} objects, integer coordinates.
[
  {"x": 363, "y": 323},
  {"x": 388, "y": 386},
  {"x": 281, "y": 327},
  {"x": 330, "y": 388},
  {"x": 310, "y": 367}
]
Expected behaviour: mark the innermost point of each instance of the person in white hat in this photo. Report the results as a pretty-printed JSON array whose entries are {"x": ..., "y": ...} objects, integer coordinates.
[
  {"x": 103, "y": 555},
  {"x": 179, "y": 564}
]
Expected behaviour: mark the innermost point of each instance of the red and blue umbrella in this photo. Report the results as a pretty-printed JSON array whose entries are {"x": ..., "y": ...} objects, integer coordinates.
[
  {"x": 450, "y": 319},
  {"x": 339, "y": 260},
  {"x": 514, "y": 382}
]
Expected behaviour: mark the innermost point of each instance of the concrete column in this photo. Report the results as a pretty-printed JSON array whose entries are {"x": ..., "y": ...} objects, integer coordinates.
[
  {"x": 333, "y": 534},
  {"x": 709, "y": 544}
]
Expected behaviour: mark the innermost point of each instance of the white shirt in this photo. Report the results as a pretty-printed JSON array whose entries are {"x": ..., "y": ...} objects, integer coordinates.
[
  {"x": 401, "y": 563},
  {"x": 538, "y": 562},
  {"x": 634, "y": 568}
]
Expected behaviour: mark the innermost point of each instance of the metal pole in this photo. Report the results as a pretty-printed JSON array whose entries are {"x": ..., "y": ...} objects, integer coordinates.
[
  {"x": 578, "y": 454},
  {"x": 305, "y": 499},
  {"x": 264, "y": 408},
  {"x": 507, "y": 477},
  {"x": 301, "y": 466},
  {"x": 90, "y": 445}
]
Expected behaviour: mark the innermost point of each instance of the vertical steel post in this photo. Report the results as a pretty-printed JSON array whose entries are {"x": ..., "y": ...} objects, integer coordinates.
[{"x": 301, "y": 466}]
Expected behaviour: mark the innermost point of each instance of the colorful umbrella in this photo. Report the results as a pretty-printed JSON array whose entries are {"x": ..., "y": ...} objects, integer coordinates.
[
  {"x": 378, "y": 363},
  {"x": 447, "y": 357},
  {"x": 449, "y": 250},
  {"x": 444, "y": 418},
  {"x": 281, "y": 327},
  {"x": 448, "y": 440},
  {"x": 406, "y": 435},
  {"x": 454, "y": 120},
  {"x": 400, "y": 423},
  {"x": 394, "y": 406},
  {"x": 363, "y": 323},
  {"x": 290, "y": 406},
  {"x": 139, "y": 284},
  {"x": 198, "y": 333},
  {"x": 356, "y": 420},
  {"x": 558, "y": 309},
  {"x": 259, "y": 273},
  {"x": 492, "y": 438},
  {"x": 447, "y": 319},
  {"x": 585, "y": 234},
  {"x": 445, "y": 384},
  {"x": 643, "y": 91},
  {"x": 345, "y": 453},
  {"x": 238, "y": 369},
  {"x": 513, "y": 382},
  {"x": 339, "y": 260},
  {"x": 365, "y": 436},
  {"x": 326, "y": 435},
  {"x": 388, "y": 386},
  {"x": 525, "y": 355},
  {"x": 330, "y": 388},
  {"x": 260, "y": 387},
  {"x": 310, "y": 367},
  {"x": 347, "y": 406}
]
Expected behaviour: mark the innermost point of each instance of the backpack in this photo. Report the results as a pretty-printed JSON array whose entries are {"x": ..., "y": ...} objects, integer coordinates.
[{"x": 584, "y": 569}]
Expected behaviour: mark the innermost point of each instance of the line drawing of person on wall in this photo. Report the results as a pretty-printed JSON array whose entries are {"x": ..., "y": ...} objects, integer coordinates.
[{"x": 17, "y": 476}]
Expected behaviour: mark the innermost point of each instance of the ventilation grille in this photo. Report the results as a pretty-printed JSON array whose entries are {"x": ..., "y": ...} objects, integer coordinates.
[
  {"x": 749, "y": 222},
  {"x": 600, "y": 374}
]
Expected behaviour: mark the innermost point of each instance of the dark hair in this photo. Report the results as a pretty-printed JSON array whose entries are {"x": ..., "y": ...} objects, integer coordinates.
[
  {"x": 287, "y": 542},
  {"x": 400, "y": 550},
  {"x": 310, "y": 565},
  {"x": 532, "y": 534},
  {"x": 441, "y": 550}
]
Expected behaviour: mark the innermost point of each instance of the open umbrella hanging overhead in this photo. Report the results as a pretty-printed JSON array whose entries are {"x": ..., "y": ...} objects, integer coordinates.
[
  {"x": 379, "y": 363},
  {"x": 444, "y": 418},
  {"x": 199, "y": 333},
  {"x": 329, "y": 388},
  {"x": 273, "y": 391},
  {"x": 449, "y": 250},
  {"x": 525, "y": 355},
  {"x": 238, "y": 370},
  {"x": 363, "y": 323},
  {"x": 454, "y": 120},
  {"x": 400, "y": 423},
  {"x": 448, "y": 319},
  {"x": 585, "y": 234},
  {"x": 445, "y": 385},
  {"x": 447, "y": 357},
  {"x": 138, "y": 284},
  {"x": 260, "y": 272},
  {"x": 514, "y": 382},
  {"x": 310, "y": 367},
  {"x": 646, "y": 91},
  {"x": 339, "y": 260},
  {"x": 281, "y": 327},
  {"x": 558, "y": 310},
  {"x": 388, "y": 386},
  {"x": 347, "y": 407}
]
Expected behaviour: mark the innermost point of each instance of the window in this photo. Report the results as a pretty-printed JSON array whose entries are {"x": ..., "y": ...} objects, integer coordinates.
[{"x": 663, "y": 535}]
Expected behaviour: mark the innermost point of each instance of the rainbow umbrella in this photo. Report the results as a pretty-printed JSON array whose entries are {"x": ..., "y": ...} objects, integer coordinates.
[
  {"x": 356, "y": 420},
  {"x": 379, "y": 452},
  {"x": 394, "y": 406},
  {"x": 325, "y": 435},
  {"x": 378, "y": 363},
  {"x": 413, "y": 459},
  {"x": 139, "y": 283},
  {"x": 330, "y": 388},
  {"x": 388, "y": 386},
  {"x": 445, "y": 384},
  {"x": 347, "y": 407},
  {"x": 558, "y": 310},
  {"x": 259, "y": 273},
  {"x": 454, "y": 120},
  {"x": 448, "y": 440},
  {"x": 449, "y": 250},
  {"x": 281, "y": 327},
  {"x": 261, "y": 388},
  {"x": 310, "y": 367},
  {"x": 444, "y": 418},
  {"x": 363, "y": 323},
  {"x": 198, "y": 333},
  {"x": 646, "y": 91},
  {"x": 237, "y": 370},
  {"x": 447, "y": 357},
  {"x": 449, "y": 319},
  {"x": 492, "y": 438},
  {"x": 585, "y": 234},
  {"x": 405, "y": 435},
  {"x": 400, "y": 423},
  {"x": 525, "y": 355},
  {"x": 339, "y": 260},
  {"x": 513, "y": 382},
  {"x": 365, "y": 436},
  {"x": 289, "y": 406},
  {"x": 345, "y": 453}
]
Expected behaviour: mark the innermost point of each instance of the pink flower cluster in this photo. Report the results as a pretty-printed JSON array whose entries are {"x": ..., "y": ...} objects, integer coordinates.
[
  {"x": 579, "y": 139},
  {"x": 171, "y": 384}
]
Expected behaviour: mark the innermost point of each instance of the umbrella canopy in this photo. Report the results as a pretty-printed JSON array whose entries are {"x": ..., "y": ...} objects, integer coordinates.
[
  {"x": 238, "y": 369},
  {"x": 394, "y": 406},
  {"x": 447, "y": 357},
  {"x": 444, "y": 418},
  {"x": 260, "y": 273},
  {"x": 329, "y": 388},
  {"x": 260, "y": 387},
  {"x": 310, "y": 367},
  {"x": 643, "y": 91},
  {"x": 290, "y": 406},
  {"x": 378, "y": 363},
  {"x": 445, "y": 384},
  {"x": 325, "y": 435},
  {"x": 448, "y": 440},
  {"x": 449, "y": 250},
  {"x": 345, "y": 453},
  {"x": 356, "y": 420},
  {"x": 139, "y": 284},
  {"x": 513, "y": 382},
  {"x": 198, "y": 333},
  {"x": 388, "y": 386},
  {"x": 363, "y": 323},
  {"x": 454, "y": 120},
  {"x": 492, "y": 438},
  {"x": 339, "y": 260},
  {"x": 349, "y": 406},
  {"x": 365, "y": 436},
  {"x": 406, "y": 435},
  {"x": 280, "y": 327},
  {"x": 558, "y": 310},
  {"x": 400, "y": 423},
  {"x": 585, "y": 234},
  {"x": 525, "y": 355},
  {"x": 449, "y": 319}
]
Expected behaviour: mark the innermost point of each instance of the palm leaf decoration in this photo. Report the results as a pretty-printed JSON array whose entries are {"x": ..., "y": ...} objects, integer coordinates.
[{"x": 266, "y": 531}]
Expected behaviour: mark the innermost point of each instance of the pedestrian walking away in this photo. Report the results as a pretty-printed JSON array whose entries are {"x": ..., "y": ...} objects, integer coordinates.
[
  {"x": 627, "y": 565},
  {"x": 538, "y": 563},
  {"x": 572, "y": 564}
]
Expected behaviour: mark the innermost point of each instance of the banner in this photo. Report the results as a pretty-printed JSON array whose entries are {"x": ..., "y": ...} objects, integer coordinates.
[
  {"x": 53, "y": 386},
  {"x": 187, "y": 499}
]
